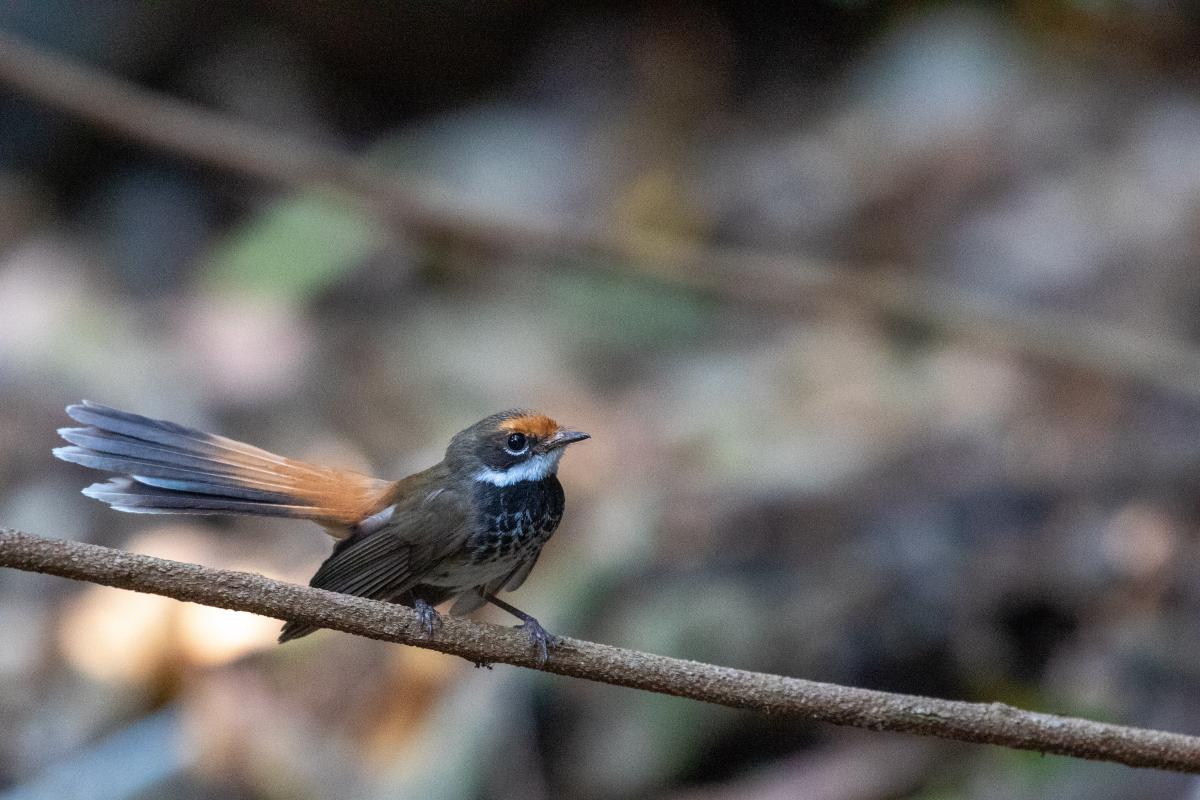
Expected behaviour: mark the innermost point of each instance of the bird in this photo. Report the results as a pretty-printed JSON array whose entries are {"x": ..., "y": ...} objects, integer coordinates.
[{"x": 465, "y": 529}]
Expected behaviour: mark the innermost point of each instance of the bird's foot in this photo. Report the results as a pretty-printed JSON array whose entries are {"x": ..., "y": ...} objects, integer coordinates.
[
  {"x": 428, "y": 618},
  {"x": 541, "y": 639}
]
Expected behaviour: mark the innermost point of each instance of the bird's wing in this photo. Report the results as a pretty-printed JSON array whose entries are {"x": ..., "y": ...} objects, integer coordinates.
[
  {"x": 375, "y": 566},
  {"x": 388, "y": 561}
]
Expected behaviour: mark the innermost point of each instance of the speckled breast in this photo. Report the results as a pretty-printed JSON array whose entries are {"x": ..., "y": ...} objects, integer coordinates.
[
  {"x": 515, "y": 521},
  {"x": 511, "y": 525}
]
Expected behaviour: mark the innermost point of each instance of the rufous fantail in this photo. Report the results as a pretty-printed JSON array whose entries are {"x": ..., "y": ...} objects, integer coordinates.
[{"x": 467, "y": 528}]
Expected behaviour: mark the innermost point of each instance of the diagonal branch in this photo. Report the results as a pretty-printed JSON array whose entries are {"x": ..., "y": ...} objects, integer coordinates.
[
  {"x": 772, "y": 280},
  {"x": 990, "y": 723}
]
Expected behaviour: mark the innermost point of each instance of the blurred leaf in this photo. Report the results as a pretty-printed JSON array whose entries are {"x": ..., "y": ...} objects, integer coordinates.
[
  {"x": 295, "y": 249},
  {"x": 612, "y": 310}
]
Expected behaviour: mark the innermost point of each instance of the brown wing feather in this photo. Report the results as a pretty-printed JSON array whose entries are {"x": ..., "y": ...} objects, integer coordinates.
[{"x": 384, "y": 562}]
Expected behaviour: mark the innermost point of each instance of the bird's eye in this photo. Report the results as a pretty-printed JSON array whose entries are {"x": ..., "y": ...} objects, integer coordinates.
[{"x": 517, "y": 443}]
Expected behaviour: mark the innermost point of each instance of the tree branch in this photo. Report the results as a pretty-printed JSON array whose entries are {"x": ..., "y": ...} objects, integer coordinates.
[
  {"x": 990, "y": 723},
  {"x": 771, "y": 280}
]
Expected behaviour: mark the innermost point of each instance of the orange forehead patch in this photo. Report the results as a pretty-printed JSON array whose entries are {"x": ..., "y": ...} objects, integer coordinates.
[{"x": 538, "y": 425}]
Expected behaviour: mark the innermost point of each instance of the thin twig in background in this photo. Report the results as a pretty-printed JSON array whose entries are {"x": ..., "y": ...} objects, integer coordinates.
[
  {"x": 988, "y": 723},
  {"x": 777, "y": 281}
]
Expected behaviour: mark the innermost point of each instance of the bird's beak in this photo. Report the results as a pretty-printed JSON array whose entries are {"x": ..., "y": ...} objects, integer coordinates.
[{"x": 562, "y": 438}]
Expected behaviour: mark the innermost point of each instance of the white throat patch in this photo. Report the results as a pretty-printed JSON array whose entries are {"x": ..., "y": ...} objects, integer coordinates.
[{"x": 535, "y": 468}]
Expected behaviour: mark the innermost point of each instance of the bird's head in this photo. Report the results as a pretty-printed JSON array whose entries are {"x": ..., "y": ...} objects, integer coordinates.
[{"x": 511, "y": 447}]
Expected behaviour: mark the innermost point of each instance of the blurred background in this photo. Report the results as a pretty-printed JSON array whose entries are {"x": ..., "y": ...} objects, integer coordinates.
[{"x": 811, "y": 486}]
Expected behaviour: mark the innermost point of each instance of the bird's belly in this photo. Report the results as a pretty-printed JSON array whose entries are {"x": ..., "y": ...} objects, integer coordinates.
[
  {"x": 467, "y": 574},
  {"x": 495, "y": 556}
]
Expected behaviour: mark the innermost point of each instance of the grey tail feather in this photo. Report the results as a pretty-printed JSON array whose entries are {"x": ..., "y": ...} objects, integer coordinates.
[
  {"x": 129, "y": 495},
  {"x": 166, "y": 468}
]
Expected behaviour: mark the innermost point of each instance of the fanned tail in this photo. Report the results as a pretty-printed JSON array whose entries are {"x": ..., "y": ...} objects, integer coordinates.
[{"x": 165, "y": 468}]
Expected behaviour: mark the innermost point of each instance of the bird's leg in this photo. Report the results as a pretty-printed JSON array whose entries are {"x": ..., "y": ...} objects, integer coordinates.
[
  {"x": 541, "y": 639},
  {"x": 429, "y": 618}
]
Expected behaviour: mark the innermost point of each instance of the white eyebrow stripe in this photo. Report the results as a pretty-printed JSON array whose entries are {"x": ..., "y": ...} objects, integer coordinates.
[{"x": 535, "y": 468}]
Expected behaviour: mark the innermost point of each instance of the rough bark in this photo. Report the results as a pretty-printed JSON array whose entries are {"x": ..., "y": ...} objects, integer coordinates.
[{"x": 990, "y": 723}]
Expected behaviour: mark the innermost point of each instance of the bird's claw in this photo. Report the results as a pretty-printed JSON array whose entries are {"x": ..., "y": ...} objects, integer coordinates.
[
  {"x": 542, "y": 640},
  {"x": 427, "y": 617}
]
